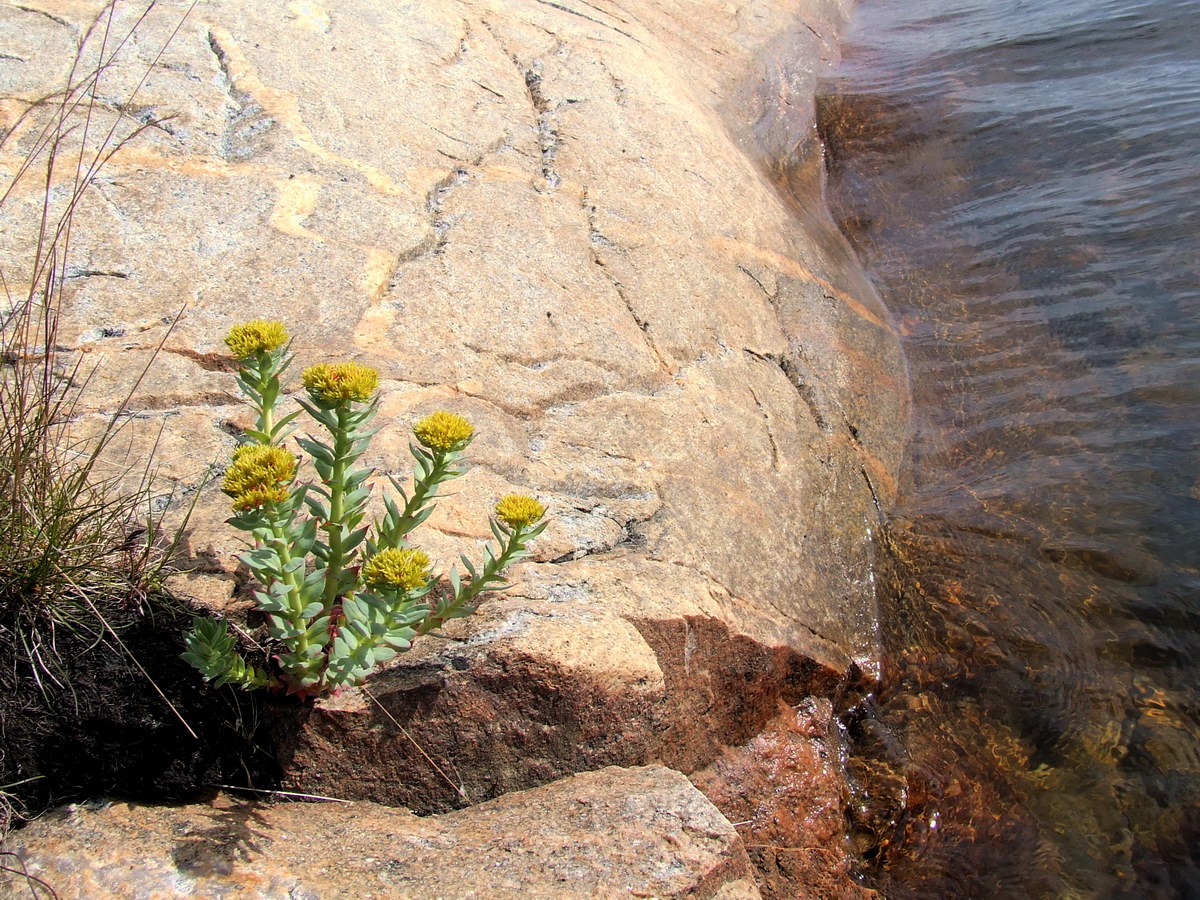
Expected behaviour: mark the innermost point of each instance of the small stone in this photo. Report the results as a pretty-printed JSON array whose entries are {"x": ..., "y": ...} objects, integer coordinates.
[{"x": 209, "y": 591}]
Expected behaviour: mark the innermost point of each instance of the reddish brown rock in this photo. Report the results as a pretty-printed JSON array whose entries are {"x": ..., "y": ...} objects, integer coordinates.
[
  {"x": 500, "y": 714},
  {"x": 784, "y": 791}
]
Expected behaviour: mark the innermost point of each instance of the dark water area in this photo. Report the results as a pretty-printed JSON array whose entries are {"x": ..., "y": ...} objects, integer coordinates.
[{"x": 1022, "y": 180}]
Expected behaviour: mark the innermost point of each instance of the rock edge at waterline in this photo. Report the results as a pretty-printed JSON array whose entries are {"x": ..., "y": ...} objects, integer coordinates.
[{"x": 561, "y": 220}]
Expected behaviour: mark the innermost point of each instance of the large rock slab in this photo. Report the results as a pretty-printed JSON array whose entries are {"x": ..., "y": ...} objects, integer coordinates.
[
  {"x": 537, "y": 214},
  {"x": 501, "y": 713},
  {"x": 594, "y": 229},
  {"x": 614, "y": 833}
]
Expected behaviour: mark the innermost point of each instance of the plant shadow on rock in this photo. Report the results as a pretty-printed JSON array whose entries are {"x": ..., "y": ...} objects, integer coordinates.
[{"x": 213, "y": 850}]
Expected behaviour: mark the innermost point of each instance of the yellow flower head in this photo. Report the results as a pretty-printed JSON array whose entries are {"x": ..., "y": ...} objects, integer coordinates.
[
  {"x": 340, "y": 382},
  {"x": 443, "y": 431},
  {"x": 253, "y": 498},
  {"x": 406, "y": 569},
  {"x": 259, "y": 475},
  {"x": 518, "y": 510},
  {"x": 259, "y": 336}
]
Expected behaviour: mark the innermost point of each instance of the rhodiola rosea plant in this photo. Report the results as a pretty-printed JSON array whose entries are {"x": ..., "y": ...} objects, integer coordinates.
[{"x": 340, "y": 596}]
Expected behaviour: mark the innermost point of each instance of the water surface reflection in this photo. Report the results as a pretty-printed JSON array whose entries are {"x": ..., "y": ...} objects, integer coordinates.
[{"x": 1021, "y": 178}]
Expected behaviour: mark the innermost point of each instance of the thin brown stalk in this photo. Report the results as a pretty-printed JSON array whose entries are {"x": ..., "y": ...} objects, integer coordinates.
[
  {"x": 30, "y": 880},
  {"x": 120, "y": 643},
  {"x": 462, "y": 793},
  {"x": 290, "y": 794}
]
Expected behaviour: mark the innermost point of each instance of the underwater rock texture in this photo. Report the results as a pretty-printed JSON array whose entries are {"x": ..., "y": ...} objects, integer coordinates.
[{"x": 563, "y": 220}]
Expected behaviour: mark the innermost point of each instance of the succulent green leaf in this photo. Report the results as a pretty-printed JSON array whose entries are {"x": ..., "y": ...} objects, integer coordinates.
[
  {"x": 318, "y": 630},
  {"x": 352, "y": 540},
  {"x": 312, "y": 609}
]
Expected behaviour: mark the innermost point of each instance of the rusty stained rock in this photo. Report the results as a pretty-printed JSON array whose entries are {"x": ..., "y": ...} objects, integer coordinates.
[
  {"x": 613, "y": 833},
  {"x": 545, "y": 699},
  {"x": 784, "y": 792}
]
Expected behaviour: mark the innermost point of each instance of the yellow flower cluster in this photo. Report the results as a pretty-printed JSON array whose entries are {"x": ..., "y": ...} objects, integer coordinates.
[
  {"x": 259, "y": 475},
  {"x": 443, "y": 431},
  {"x": 340, "y": 382},
  {"x": 518, "y": 510},
  {"x": 406, "y": 569},
  {"x": 259, "y": 336}
]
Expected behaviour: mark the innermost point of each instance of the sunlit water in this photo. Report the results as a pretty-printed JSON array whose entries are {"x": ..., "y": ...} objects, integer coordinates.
[{"x": 1022, "y": 178}]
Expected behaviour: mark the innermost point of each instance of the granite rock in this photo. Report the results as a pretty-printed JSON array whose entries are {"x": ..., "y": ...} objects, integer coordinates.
[
  {"x": 544, "y": 217},
  {"x": 613, "y": 833},
  {"x": 596, "y": 230}
]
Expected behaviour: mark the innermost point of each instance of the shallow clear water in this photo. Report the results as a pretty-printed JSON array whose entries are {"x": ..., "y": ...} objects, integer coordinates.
[{"x": 1022, "y": 179}]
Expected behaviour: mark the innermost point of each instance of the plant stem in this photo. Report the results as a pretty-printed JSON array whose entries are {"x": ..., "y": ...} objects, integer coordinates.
[
  {"x": 424, "y": 490},
  {"x": 284, "y": 548},
  {"x": 335, "y": 527},
  {"x": 268, "y": 390},
  {"x": 266, "y": 420},
  {"x": 427, "y": 487},
  {"x": 490, "y": 573}
]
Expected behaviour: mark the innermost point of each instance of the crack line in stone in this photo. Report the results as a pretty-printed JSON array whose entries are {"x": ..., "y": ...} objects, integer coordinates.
[
  {"x": 770, "y": 433},
  {"x": 576, "y": 12},
  {"x": 595, "y": 236},
  {"x": 630, "y": 538},
  {"x": 41, "y": 12},
  {"x": 772, "y": 297},
  {"x": 803, "y": 389},
  {"x": 544, "y": 117}
]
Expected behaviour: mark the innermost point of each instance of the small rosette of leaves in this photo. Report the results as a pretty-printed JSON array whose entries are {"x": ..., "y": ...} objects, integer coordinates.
[{"x": 212, "y": 650}]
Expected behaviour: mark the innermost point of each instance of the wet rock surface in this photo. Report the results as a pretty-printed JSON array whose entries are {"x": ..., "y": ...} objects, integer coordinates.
[
  {"x": 560, "y": 220},
  {"x": 783, "y": 790}
]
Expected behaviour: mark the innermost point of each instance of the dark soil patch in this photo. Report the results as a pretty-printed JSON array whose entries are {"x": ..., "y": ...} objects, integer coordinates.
[{"x": 102, "y": 730}]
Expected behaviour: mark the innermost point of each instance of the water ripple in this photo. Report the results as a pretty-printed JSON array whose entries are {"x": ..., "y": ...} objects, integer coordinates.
[{"x": 1021, "y": 178}]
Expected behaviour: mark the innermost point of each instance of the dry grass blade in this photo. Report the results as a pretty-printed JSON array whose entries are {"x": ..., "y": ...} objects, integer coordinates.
[
  {"x": 32, "y": 881},
  {"x": 287, "y": 795},
  {"x": 63, "y": 523},
  {"x": 75, "y": 542},
  {"x": 429, "y": 759},
  {"x": 120, "y": 643}
]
